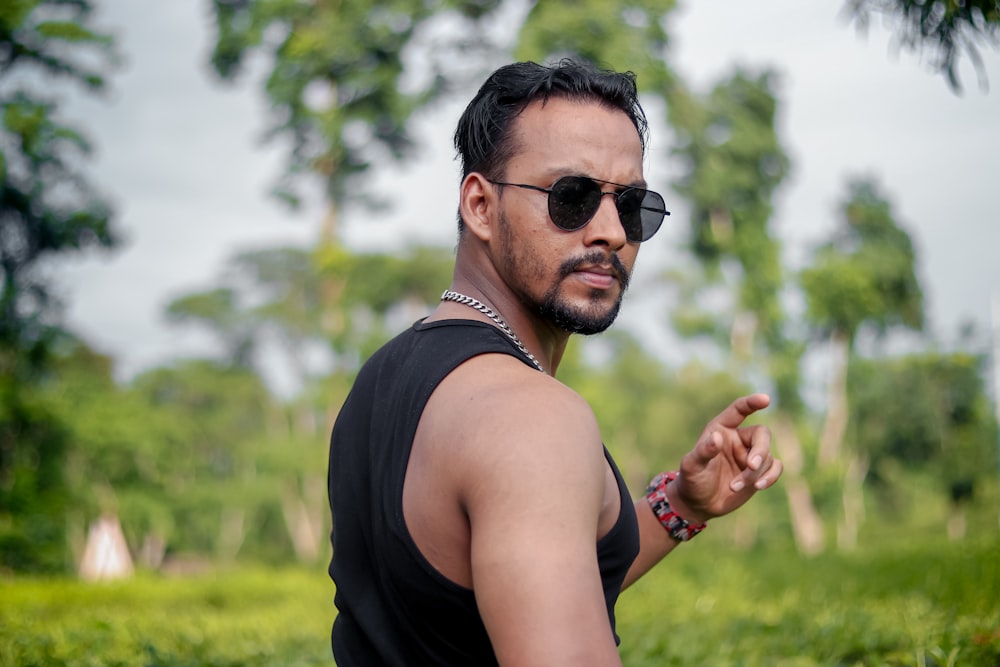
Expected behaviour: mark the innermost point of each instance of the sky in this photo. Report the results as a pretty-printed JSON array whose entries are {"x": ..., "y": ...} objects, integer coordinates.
[{"x": 181, "y": 158}]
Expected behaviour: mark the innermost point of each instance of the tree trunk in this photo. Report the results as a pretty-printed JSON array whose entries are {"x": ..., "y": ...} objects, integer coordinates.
[
  {"x": 807, "y": 527},
  {"x": 835, "y": 424},
  {"x": 304, "y": 519},
  {"x": 152, "y": 551},
  {"x": 232, "y": 533},
  {"x": 853, "y": 503}
]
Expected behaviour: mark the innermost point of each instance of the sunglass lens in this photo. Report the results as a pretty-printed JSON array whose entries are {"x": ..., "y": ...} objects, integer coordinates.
[
  {"x": 652, "y": 211},
  {"x": 573, "y": 202},
  {"x": 630, "y": 211}
]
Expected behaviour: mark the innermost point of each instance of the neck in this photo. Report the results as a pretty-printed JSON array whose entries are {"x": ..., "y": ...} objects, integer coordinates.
[
  {"x": 475, "y": 275},
  {"x": 479, "y": 306},
  {"x": 546, "y": 343}
]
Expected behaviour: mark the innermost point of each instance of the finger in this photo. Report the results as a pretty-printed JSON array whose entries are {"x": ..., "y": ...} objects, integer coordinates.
[
  {"x": 768, "y": 470},
  {"x": 772, "y": 475},
  {"x": 754, "y": 457},
  {"x": 742, "y": 408},
  {"x": 757, "y": 441}
]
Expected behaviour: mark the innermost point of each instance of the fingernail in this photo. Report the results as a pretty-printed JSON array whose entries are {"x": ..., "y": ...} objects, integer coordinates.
[
  {"x": 737, "y": 485},
  {"x": 755, "y": 462},
  {"x": 761, "y": 483}
]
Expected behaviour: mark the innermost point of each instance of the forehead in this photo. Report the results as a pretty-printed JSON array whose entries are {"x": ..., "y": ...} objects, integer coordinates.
[{"x": 565, "y": 136}]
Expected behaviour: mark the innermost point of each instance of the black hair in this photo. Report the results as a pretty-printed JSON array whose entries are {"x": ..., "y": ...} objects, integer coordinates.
[{"x": 483, "y": 137}]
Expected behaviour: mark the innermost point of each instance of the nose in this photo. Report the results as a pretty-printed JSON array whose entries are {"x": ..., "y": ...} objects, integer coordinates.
[{"x": 605, "y": 228}]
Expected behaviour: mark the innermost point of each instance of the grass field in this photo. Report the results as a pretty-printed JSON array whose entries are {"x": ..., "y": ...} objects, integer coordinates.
[{"x": 929, "y": 605}]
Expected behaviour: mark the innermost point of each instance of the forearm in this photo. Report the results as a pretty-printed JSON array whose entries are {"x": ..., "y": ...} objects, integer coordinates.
[
  {"x": 654, "y": 539},
  {"x": 654, "y": 543}
]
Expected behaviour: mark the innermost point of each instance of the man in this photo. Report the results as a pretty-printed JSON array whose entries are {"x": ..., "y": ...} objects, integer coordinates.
[{"x": 478, "y": 518}]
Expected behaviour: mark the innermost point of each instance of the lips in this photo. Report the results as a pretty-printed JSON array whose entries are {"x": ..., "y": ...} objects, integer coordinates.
[
  {"x": 598, "y": 271},
  {"x": 600, "y": 277}
]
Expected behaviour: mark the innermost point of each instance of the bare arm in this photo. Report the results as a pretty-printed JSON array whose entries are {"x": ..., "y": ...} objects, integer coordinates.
[{"x": 534, "y": 497}]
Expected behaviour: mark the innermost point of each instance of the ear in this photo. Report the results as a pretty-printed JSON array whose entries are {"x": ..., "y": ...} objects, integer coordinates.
[{"x": 478, "y": 204}]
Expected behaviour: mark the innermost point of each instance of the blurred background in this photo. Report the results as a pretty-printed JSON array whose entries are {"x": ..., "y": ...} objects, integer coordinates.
[{"x": 213, "y": 211}]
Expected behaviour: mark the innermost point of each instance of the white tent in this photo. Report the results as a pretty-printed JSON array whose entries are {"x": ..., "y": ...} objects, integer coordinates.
[{"x": 106, "y": 555}]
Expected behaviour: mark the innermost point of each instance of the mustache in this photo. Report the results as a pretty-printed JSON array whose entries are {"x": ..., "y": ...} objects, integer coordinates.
[{"x": 600, "y": 259}]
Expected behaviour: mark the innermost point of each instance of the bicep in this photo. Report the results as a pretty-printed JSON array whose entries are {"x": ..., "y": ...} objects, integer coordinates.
[{"x": 533, "y": 518}]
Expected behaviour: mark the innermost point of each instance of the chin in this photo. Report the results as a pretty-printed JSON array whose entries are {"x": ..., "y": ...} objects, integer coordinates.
[{"x": 584, "y": 321}]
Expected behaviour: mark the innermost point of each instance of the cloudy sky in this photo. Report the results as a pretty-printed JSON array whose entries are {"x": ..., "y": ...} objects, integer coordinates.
[{"x": 180, "y": 157}]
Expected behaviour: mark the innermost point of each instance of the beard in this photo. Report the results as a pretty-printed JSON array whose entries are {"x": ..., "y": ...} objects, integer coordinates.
[
  {"x": 554, "y": 306},
  {"x": 587, "y": 321}
]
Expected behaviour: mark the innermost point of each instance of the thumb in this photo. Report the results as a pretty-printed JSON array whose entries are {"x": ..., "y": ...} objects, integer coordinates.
[{"x": 707, "y": 449}]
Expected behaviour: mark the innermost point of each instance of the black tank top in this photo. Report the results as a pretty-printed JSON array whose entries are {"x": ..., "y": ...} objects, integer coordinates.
[{"x": 394, "y": 607}]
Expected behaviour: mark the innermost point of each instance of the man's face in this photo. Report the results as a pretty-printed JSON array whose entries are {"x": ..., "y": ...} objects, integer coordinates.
[{"x": 574, "y": 280}]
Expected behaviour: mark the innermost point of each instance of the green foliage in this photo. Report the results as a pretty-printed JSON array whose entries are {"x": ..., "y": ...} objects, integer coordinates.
[
  {"x": 648, "y": 412},
  {"x": 919, "y": 604},
  {"x": 331, "y": 297},
  {"x": 231, "y": 619},
  {"x": 381, "y": 281},
  {"x": 202, "y": 469},
  {"x": 337, "y": 84},
  {"x": 46, "y": 205},
  {"x": 194, "y": 458},
  {"x": 867, "y": 273},
  {"x": 927, "y": 411},
  {"x": 902, "y": 605},
  {"x": 273, "y": 292},
  {"x": 364, "y": 291},
  {"x": 621, "y": 35},
  {"x": 47, "y": 209},
  {"x": 219, "y": 311},
  {"x": 945, "y": 27},
  {"x": 33, "y": 497},
  {"x": 733, "y": 164}
]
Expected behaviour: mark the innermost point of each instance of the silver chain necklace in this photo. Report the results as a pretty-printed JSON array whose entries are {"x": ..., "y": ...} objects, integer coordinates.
[{"x": 490, "y": 313}]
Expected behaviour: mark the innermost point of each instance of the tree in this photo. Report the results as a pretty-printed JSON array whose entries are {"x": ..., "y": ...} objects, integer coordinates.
[
  {"x": 733, "y": 162},
  {"x": 926, "y": 413},
  {"x": 865, "y": 275},
  {"x": 201, "y": 456},
  {"x": 277, "y": 294},
  {"x": 341, "y": 85},
  {"x": 330, "y": 297},
  {"x": 637, "y": 399},
  {"x": 46, "y": 204},
  {"x": 628, "y": 34},
  {"x": 47, "y": 209},
  {"x": 947, "y": 28}
]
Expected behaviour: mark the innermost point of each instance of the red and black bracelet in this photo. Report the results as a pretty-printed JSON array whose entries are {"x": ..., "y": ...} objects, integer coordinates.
[{"x": 656, "y": 496}]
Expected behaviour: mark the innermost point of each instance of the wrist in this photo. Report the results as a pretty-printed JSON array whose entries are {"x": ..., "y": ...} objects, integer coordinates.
[
  {"x": 680, "y": 505},
  {"x": 673, "y": 514}
]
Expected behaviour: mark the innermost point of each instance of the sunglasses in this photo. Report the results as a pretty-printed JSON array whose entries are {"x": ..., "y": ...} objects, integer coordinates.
[{"x": 574, "y": 200}]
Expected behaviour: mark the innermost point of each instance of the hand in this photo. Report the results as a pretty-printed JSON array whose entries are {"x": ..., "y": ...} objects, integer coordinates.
[{"x": 727, "y": 466}]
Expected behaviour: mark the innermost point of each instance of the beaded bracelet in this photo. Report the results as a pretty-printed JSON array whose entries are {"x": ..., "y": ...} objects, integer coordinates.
[{"x": 656, "y": 496}]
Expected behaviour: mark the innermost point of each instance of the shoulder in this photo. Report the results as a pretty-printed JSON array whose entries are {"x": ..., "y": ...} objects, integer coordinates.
[
  {"x": 498, "y": 393},
  {"x": 494, "y": 416}
]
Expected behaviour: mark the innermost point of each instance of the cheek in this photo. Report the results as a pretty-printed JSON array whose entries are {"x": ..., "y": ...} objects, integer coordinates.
[
  {"x": 628, "y": 255},
  {"x": 530, "y": 247},
  {"x": 537, "y": 262}
]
